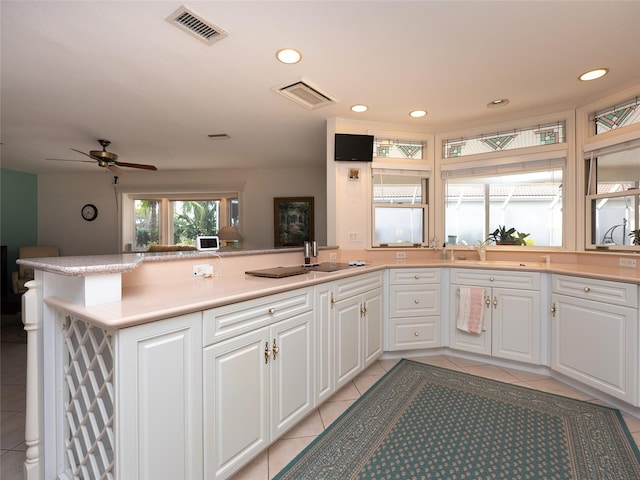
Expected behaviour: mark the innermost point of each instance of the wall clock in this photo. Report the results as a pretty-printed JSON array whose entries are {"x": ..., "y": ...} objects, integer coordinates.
[{"x": 89, "y": 212}]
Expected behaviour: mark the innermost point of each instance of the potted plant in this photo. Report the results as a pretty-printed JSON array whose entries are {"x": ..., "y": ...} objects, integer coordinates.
[
  {"x": 635, "y": 236},
  {"x": 507, "y": 236}
]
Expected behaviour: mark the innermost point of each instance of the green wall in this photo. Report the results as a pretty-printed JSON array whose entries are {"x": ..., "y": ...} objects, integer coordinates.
[{"x": 18, "y": 215}]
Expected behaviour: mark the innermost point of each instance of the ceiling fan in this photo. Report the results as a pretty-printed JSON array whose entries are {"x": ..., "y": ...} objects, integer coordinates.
[{"x": 106, "y": 159}]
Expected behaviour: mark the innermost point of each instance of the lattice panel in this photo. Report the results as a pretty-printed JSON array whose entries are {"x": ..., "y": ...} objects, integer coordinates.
[{"x": 89, "y": 399}]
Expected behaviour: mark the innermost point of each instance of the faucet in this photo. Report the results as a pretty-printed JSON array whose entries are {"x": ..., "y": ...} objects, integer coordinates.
[{"x": 481, "y": 248}]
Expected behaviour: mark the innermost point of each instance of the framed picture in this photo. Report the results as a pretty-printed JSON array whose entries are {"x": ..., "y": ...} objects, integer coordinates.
[{"x": 292, "y": 221}]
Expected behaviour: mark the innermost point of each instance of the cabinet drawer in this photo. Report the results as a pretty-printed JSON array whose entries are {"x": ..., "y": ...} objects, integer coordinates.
[
  {"x": 496, "y": 278},
  {"x": 411, "y": 276},
  {"x": 617, "y": 293},
  {"x": 224, "y": 322},
  {"x": 405, "y": 301},
  {"x": 358, "y": 285},
  {"x": 412, "y": 333}
]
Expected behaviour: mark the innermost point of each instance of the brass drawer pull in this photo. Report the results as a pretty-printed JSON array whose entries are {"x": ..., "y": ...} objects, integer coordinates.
[{"x": 267, "y": 352}]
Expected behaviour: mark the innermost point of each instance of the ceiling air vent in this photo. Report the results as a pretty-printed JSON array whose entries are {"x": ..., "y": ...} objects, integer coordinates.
[
  {"x": 305, "y": 94},
  {"x": 187, "y": 21}
]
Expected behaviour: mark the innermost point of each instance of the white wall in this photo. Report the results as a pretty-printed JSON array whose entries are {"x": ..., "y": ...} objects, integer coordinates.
[
  {"x": 349, "y": 202},
  {"x": 61, "y": 196}
]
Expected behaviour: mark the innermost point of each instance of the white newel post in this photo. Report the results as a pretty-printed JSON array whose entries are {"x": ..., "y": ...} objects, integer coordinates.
[{"x": 32, "y": 319}]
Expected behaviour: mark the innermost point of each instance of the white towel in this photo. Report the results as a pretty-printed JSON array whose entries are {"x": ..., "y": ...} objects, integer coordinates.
[{"x": 471, "y": 310}]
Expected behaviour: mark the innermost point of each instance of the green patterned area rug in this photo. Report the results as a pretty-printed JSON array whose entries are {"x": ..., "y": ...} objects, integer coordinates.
[{"x": 425, "y": 422}]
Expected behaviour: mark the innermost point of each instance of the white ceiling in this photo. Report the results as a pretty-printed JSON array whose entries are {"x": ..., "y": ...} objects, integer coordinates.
[{"x": 76, "y": 71}]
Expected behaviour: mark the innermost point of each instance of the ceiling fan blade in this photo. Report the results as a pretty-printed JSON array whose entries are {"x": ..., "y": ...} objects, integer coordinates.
[
  {"x": 135, "y": 165},
  {"x": 70, "y": 160},
  {"x": 116, "y": 170},
  {"x": 83, "y": 153}
]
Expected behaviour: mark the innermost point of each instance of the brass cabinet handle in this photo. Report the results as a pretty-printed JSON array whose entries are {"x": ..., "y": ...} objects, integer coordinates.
[
  {"x": 495, "y": 302},
  {"x": 487, "y": 300},
  {"x": 553, "y": 309},
  {"x": 333, "y": 300},
  {"x": 267, "y": 352},
  {"x": 364, "y": 307},
  {"x": 275, "y": 349}
]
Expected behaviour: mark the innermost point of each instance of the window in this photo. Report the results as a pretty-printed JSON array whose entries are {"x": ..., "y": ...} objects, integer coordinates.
[
  {"x": 399, "y": 207},
  {"x": 524, "y": 195},
  {"x": 613, "y": 195},
  {"x": 176, "y": 219},
  {"x": 538, "y": 135},
  {"x": 387, "y": 148},
  {"x": 617, "y": 116}
]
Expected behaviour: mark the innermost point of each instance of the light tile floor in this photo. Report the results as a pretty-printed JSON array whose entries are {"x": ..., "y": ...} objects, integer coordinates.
[
  {"x": 13, "y": 373},
  {"x": 265, "y": 466}
]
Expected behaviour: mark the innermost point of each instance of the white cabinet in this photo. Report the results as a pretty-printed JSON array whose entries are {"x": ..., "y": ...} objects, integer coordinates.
[
  {"x": 357, "y": 325},
  {"x": 414, "y": 308},
  {"x": 159, "y": 399},
  {"x": 512, "y": 314},
  {"x": 259, "y": 384},
  {"x": 595, "y": 334}
]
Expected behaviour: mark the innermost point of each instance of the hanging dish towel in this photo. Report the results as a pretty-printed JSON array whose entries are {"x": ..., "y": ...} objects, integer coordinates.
[{"x": 471, "y": 310}]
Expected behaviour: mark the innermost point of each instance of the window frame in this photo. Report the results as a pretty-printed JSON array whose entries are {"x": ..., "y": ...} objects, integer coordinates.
[
  {"x": 505, "y": 158},
  {"x": 397, "y": 170},
  {"x": 590, "y": 142},
  {"x": 126, "y": 197}
]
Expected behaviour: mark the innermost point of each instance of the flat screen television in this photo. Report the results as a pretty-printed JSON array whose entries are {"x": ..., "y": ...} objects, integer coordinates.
[{"x": 354, "y": 148}]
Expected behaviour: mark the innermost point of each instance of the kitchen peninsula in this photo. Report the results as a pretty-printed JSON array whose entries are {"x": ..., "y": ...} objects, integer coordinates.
[{"x": 138, "y": 369}]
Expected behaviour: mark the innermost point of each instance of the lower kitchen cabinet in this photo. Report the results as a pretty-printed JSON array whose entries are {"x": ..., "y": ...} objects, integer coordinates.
[
  {"x": 159, "y": 404},
  {"x": 595, "y": 334},
  {"x": 512, "y": 315},
  {"x": 256, "y": 387},
  {"x": 414, "y": 308},
  {"x": 357, "y": 325}
]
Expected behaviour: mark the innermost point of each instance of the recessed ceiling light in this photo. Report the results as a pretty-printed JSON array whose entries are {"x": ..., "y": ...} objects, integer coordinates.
[
  {"x": 593, "y": 74},
  {"x": 288, "y": 55},
  {"x": 418, "y": 113},
  {"x": 501, "y": 102},
  {"x": 359, "y": 108}
]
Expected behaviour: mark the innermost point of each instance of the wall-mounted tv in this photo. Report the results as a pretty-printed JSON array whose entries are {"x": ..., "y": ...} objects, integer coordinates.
[{"x": 354, "y": 148}]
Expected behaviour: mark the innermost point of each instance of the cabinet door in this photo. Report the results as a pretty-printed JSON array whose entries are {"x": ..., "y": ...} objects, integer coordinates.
[
  {"x": 372, "y": 318},
  {"x": 323, "y": 342},
  {"x": 236, "y": 402},
  {"x": 291, "y": 372},
  {"x": 461, "y": 340},
  {"x": 347, "y": 339},
  {"x": 159, "y": 399},
  {"x": 595, "y": 343},
  {"x": 515, "y": 324}
]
